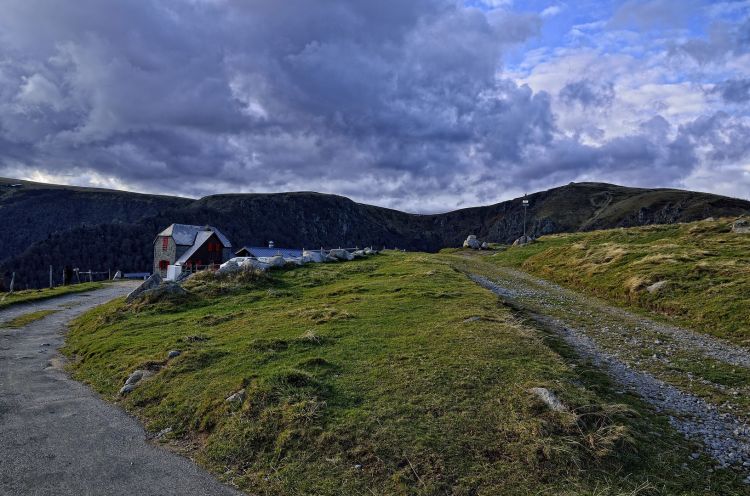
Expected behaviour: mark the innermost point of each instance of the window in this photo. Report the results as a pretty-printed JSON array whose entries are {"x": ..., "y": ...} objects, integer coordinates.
[
  {"x": 164, "y": 243},
  {"x": 163, "y": 264}
]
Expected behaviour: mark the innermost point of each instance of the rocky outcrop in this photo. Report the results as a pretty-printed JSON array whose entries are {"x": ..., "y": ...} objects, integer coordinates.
[
  {"x": 523, "y": 240},
  {"x": 741, "y": 226},
  {"x": 152, "y": 282},
  {"x": 472, "y": 242}
]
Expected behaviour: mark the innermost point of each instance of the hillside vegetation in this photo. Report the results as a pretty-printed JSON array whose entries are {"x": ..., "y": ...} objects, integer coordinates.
[
  {"x": 390, "y": 375},
  {"x": 99, "y": 229},
  {"x": 697, "y": 274}
]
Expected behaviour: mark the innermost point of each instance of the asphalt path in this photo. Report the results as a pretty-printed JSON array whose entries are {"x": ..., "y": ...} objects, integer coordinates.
[{"x": 57, "y": 437}]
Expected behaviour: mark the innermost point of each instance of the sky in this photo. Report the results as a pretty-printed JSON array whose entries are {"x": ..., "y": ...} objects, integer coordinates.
[{"x": 420, "y": 105}]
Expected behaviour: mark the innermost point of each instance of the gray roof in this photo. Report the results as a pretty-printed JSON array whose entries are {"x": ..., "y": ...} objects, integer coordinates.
[
  {"x": 184, "y": 234},
  {"x": 200, "y": 238},
  {"x": 264, "y": 251}
]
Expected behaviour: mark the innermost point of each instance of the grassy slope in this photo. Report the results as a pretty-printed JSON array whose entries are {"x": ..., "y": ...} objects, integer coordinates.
[
  {"x": 31, "y": 295},
  {"x": 363, "y": 378},
  {"x": 706, "y": 266}
]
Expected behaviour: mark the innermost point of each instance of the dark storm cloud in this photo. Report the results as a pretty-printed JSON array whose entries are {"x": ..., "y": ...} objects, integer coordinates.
[
  {"x": 734, "y": 90},
  {"x": 392, "y": 102},
  {"x": 588, "y": 93}
]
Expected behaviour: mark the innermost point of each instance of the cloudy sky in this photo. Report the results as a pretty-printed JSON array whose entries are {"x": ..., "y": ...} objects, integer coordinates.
[{"x": 422, "y": 105}]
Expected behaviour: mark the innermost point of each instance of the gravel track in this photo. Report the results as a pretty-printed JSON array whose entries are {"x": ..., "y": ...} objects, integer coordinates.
[
  {"x": 614, "y": 340},
  {"x": 58, "y": 438}
]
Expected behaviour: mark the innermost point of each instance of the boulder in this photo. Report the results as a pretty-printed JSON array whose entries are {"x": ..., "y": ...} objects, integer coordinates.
[
  {"x": 523, "y": 240},
  {"x": 340, "y": 254},
  {"x": 244, "y": 262},
  {"x": 229, "y": 267},
  {"x": 485, "y": 245},
  {"x": 549, "y": 398},
  {"x": 741, "y": 226},
  {"x": 173, "y": 354},
  {"x": 168, "y": 288},
  {"x": 472, "y": 242},
  {"x": 294, "y": 261},
  {"x": 277, "y": 261},
  {"x": 313, "y": 256},
  {"x": 126, "y": 389},
  {"x": 235, "y": 400},
  {"x": 359, "y": 253},
  {"x": 151, "y": 282},
  {"x": 655, "y": 287},
  {"x": 135, "y": 377}
]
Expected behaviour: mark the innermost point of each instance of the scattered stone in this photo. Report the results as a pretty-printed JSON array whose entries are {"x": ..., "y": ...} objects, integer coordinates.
[
  {"x": 340, "y": 254},
  {"x": 314, "y": 256},
  {"x": 485, "y": 245},
  {"x": 168, "y": 288},
  {"x": 472, "y": 319},
  {"x": 549, "y": 398},
  {"x": 741, "y": 226},
  {"x": 127, "y": 388},
  {"x": 235, "y": 400},
  {"x": 655, "y": 287},
  {"x": 229, "y": 267},
  {"x": 523, "y": 240},
  {"x": 135, "y": 377},
  {"x": 163, "y": 432},
  {"x": 277, "y": 261},
  {"x": 173, "y": 354},
  {"x": 152, "y": 282},
  {"x": 695, "y": 456},
  {"x": 472, "y": 242}
]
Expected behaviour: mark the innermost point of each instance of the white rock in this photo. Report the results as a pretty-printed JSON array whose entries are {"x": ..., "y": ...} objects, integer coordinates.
[
  {"x": 340, "y": 254},
  {"x": 549, "y": 398},
  {"x": 236, "y": 399},
  {"x": 126, "y": 389},
  {"x": 313, "y": 256},
  {"x": 655, "y": 287},
  {"x": 741, "y": 226},
  {"x": 472, "y": 242}
]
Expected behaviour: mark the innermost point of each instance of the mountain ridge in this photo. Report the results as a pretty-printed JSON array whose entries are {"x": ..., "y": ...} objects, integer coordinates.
[{"x": 100, "y": 229}]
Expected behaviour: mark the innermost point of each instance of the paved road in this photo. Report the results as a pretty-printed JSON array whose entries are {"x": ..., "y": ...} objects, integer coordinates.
[{"x": 58, "y": 438}]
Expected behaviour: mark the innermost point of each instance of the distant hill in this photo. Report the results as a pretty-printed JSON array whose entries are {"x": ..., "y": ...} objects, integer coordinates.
[{"x": 99, "y": 229}]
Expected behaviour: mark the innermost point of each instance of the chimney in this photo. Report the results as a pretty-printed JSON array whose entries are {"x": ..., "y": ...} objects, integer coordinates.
[{"x": 270, "y": 244}]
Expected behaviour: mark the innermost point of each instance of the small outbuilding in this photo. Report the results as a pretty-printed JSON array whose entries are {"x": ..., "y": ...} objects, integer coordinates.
[{"x": 270, "y": 251}]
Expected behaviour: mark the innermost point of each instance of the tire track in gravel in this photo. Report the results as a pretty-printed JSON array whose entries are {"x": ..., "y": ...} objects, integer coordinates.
[{"x": 724, "y": 435}]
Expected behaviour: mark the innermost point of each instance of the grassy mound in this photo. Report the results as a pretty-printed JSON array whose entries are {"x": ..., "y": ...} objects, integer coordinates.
[
  {"x": 390, "y": 375},
  {"x": 697, "y": 274}
]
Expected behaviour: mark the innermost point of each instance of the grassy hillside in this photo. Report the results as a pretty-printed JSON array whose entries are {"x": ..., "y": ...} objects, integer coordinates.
[
  {"x": 391, "y": 375},
  {"x": 703, "y": 271}
]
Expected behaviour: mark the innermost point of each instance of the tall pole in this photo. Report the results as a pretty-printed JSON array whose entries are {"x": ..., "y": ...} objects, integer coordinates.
[
  {"x": 525, "y": 206},
  {"x": 50, "y": 277}
]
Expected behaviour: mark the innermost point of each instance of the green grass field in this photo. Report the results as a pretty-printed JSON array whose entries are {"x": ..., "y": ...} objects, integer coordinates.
[
  {"x": 704, "y": 267},
  {"x": 390, "y": 375},
  {"x": 27, "y": 296}
]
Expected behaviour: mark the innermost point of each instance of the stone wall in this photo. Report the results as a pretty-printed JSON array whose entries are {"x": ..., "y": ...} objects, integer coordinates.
[{"x": 170, "y": 254}]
